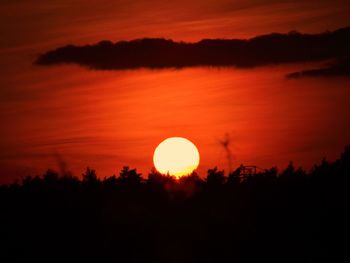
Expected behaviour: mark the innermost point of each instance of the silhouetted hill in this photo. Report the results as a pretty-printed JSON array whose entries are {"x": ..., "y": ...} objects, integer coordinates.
[
  {"x": 271, "y": 216},
  {"x": 163, "y": 53}
]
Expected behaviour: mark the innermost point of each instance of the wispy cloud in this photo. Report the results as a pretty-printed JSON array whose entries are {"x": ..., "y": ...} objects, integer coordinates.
[{"x": 340, "y": 67}]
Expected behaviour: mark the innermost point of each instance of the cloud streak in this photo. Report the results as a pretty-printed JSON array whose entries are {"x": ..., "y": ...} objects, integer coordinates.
[
  {"x": 338, "y": 68},
  {"x": 163, "y": 53}
]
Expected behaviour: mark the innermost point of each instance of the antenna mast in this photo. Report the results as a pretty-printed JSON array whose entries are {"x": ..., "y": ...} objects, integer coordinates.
[{"x": 226, "y": 144}]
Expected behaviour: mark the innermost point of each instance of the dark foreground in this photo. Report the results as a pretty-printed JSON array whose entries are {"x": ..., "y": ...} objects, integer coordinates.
[{"x": 291, "y": 216}]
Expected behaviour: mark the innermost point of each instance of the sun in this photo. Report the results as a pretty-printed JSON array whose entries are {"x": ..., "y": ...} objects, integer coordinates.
[{"x": 176, "y": 156}]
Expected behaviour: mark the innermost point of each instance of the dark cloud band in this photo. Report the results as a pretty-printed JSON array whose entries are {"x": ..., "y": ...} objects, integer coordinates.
[{"x": 162, "y": 53}]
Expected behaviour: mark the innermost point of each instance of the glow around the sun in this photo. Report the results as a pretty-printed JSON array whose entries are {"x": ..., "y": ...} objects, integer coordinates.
[{"x": 176, "y": 156}]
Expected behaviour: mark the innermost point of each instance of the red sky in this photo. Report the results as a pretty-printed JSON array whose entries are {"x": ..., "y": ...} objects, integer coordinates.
[
  {"x": 34, "y": 22},
  {"x": 106, "y": 119}
]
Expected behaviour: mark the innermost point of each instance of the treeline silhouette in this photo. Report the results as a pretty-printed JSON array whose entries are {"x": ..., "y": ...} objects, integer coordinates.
[
  {"x": 273, "y": 48},
  {"x": 270, "y": 216}
]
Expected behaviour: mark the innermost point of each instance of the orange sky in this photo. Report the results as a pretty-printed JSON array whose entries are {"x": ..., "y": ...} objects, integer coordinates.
[
  {"x": 57, "y": 22},
  {"x": 109, "y": 119}
]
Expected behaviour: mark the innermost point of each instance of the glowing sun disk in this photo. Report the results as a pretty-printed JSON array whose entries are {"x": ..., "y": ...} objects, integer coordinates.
[{"x": 176, "y": 156}]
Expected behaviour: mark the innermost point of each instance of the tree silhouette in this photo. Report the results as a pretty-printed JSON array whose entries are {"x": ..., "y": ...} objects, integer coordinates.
[
  {"x": 90, "y": 178},
  {"x": 215, "y": 178},
  {"x": 50, "y": 177},
  {"x": 129, "y": 177},
  {"x": 270, "y": 216},
  {"x": 110, "y": 182},
  {"x": 234, "y": 177}
]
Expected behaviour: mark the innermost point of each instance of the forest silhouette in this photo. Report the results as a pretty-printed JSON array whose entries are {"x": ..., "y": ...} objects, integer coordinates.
[{"x": 270, "y": 216}]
